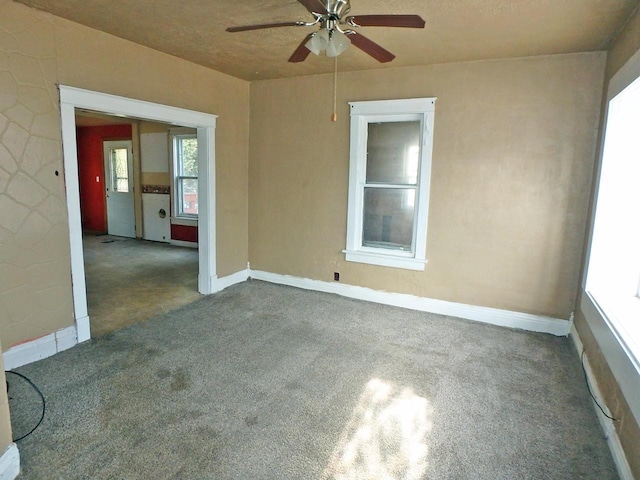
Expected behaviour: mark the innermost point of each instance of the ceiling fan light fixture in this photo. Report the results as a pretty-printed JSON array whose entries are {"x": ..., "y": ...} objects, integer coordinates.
[
  {"x": 318, "y": 42},
  {"x": 338, "y": 43},
  {"x": 335, "y": 35}
]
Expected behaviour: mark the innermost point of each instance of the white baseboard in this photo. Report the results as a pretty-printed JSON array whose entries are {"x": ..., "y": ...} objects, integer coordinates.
[
  {"x": 608, "y": 427},
  {"x": 494, "y": 316},
  {"x": 66, "y": 338},
  {"x": 225, "y": 282},
  {"x": 83, "y": 329},
  {"x": 182, "y": 243},
  {"x": 40, "y": 348},
  {"x": 10, "y": 463}
]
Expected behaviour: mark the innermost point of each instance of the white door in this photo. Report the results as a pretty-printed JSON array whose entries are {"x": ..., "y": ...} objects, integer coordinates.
[{"x": 118, "y": 174}]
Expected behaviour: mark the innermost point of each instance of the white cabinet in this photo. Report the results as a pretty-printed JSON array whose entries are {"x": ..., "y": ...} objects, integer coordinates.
[{"x": 156, "y": 217}]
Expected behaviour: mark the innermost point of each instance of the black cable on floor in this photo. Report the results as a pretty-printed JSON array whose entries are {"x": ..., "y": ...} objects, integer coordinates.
[
  {"x": 44, "y": 403},
  {"x": 586, "y": 379}
]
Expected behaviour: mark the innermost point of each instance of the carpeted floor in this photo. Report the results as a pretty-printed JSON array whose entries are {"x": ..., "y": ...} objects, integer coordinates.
[
  {"x": 270, "y": 382},
  {"x": 129, "y": 280}
]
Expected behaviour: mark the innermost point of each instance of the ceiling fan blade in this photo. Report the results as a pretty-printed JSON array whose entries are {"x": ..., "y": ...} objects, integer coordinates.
[
  {"x": 371, "y": 47},
  {"x": 314, "y": 6},
  {"x": 264, "y": 25},
  {"x": 407, "y": 21},
  {"x": 302, "y": 52}
]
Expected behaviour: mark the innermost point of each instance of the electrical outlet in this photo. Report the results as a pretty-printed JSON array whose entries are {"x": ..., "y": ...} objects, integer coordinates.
[{"x": 336, "y": 276}]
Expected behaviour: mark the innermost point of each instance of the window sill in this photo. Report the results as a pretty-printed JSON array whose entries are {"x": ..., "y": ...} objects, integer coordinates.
[
  {"x": 185, "y": 221},
  {"x": 617, "y": 349},
  {"x": 385, "y": 260},
  {"x": 621, "y": 315}
]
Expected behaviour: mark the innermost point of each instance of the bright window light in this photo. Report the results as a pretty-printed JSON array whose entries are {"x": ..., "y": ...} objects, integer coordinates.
[
  {"x": 613, "y": 279},
  {"x": 185, "y": 169},
  {"x": 387, "y": 436}
]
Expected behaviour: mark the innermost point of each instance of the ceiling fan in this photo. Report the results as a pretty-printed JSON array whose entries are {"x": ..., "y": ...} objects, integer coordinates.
[{"x": 336, "y": 31}]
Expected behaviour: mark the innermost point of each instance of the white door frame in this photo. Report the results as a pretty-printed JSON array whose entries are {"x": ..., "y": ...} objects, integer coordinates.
[{"x": 72, "y": 98}]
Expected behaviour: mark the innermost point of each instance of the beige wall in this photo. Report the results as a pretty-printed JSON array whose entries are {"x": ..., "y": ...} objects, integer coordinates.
[
  {"x": 626, "y": 426},
  {"x": 38, "y": 51},
  {"x": 5, "y": 419},
  {"x": 155, "y": 178},
  {"x": 623, "y": 48},
  {"x": 513, "y": 155}
]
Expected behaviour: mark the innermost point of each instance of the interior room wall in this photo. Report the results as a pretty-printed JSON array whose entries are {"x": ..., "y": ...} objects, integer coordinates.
[
  {"x": 157, "y": 171},
  {"x": 39, "y": 51},
  {"x": 151, "y": 173},
  {"x": 513, "y": 153},
  {"x": 627, "y": 426},
  {"x": 156, "y": 181},
  {"x": 184, "y": 233},
  {"x": 91, "y": 172}
]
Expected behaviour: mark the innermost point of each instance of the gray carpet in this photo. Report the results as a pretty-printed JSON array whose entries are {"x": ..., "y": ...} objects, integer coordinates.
[{"x": 270, "y": 382}]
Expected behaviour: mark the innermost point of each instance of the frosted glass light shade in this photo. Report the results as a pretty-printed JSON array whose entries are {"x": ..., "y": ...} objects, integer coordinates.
[
  {"x": 338, "y": 43},
  {"x": 318, "y": 42}
]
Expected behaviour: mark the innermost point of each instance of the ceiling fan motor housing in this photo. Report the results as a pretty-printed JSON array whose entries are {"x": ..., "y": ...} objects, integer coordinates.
[{"x": 339, "y": 8}]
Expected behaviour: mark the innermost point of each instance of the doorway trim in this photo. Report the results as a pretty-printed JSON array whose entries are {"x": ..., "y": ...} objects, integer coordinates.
[{"x": 205, "y": 124}]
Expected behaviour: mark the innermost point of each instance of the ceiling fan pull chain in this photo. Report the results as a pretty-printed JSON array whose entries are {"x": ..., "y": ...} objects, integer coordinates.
[{"x": 334, "y": 116}]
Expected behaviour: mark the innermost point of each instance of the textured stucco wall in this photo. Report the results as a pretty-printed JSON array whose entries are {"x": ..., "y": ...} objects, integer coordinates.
[
  {"x": 35, "y": 284},
  {"x": 514, "y": 146},
  {"x": 38, "y": 51}
]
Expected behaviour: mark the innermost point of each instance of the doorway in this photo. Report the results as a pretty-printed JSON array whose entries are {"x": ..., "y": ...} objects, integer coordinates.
[
  {"x": 129, "y": 280},
  {"x": 118, "y": 174},
  {"x": 74, "y": 98}
]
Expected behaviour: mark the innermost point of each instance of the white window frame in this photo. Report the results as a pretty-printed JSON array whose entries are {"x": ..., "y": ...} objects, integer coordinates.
[
  {"x": 363, "y": 113},
  {"x": 178, "y": 134},
  {"x": 613, "y": 289},
  {"x": 624, "y": 365}
]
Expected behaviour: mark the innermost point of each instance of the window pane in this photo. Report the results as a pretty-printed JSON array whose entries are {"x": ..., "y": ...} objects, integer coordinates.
[
  {"x": 189, "y": 196},
  {"x": 188, "y": 151},
  {"x": 119, "y": 170},
  {"x": 388, "y": 217},
  {"x": 393, "y": 152}
]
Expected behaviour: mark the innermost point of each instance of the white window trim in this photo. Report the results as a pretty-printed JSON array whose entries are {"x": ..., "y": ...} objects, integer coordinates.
[
  {"x": 624, "y": 365},
  {"x": 617, "y": 302},
  {"x": 175, "y": 134},
  {"x": 362, "y": 113}
]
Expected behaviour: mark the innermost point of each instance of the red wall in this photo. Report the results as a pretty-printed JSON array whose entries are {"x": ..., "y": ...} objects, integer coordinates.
[
  {"x": 184, "y": 233},
  {"x": 90, "y": 165}
]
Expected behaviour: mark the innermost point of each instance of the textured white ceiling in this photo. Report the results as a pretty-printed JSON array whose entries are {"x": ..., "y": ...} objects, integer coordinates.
[{"x": 456, "y": 30}]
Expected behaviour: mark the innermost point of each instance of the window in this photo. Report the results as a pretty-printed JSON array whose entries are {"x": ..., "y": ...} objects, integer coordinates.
[
  {"x": 389, "y": 174},
  {"x": 119, "y": 170},
  {"x": 613, "y": 279},
  {"x": 185, "y": 167}
]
